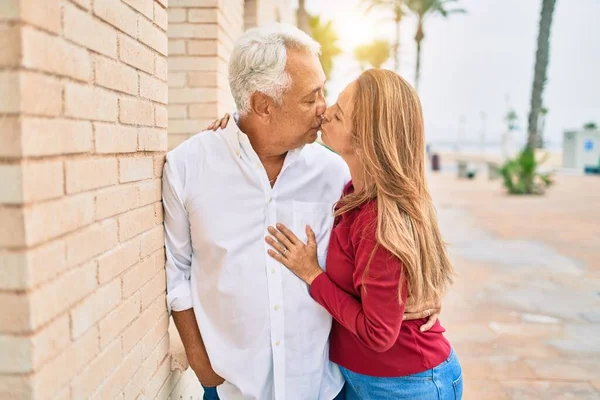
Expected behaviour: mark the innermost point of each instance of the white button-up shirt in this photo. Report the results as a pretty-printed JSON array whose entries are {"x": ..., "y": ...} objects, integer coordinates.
[{"x": 263, "y": 332}]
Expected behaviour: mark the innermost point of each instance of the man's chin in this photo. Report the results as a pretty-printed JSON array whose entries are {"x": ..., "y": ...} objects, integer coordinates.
[{"x": 313, "y": 135}]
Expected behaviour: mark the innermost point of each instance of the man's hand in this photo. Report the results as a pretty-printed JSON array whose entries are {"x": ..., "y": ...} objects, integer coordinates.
[
  {"x": 187, "y": 326},
  {"x": 431, "y": 309},
  {"x": 219, "y": 123}
]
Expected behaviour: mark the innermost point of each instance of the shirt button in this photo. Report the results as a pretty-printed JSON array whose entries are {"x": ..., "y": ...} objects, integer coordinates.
[
  {"x": 276, "y": 308},
  {"x": 277, "y": 343},
  {"x": 272, "y": 270}
]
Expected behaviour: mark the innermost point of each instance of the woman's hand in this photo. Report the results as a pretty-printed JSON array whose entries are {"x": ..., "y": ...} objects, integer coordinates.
[
  {"x": 219, "y": 123},
  {"x": 298, "y": 257}
]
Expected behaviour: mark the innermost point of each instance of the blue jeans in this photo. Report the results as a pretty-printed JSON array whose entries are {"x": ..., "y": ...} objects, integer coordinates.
[
  {"x": 443, "y": 382},
  {"x": 211, "y": 394}
]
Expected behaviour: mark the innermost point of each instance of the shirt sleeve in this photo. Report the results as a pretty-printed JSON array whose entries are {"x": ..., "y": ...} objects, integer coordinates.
[
  {"x": 376, "y": 317},
  {"x": 178, "y": 245}
]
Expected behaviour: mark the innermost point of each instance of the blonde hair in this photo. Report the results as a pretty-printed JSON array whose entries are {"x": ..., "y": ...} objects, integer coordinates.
[{"x": 388, "y": 135}]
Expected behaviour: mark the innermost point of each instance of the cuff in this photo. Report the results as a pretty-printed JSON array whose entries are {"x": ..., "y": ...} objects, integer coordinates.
[{"x": 180, "y": 298}]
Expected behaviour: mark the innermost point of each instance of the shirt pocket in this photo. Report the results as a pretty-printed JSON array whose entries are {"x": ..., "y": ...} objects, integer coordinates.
[{"x": 319, "y": 216}]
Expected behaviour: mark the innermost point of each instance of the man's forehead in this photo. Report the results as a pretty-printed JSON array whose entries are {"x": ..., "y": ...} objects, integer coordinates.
[{"x": 305, "y": 70}]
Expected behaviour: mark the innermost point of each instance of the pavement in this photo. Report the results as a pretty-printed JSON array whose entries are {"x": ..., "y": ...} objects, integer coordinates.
[{"x": 524, "y": 312}]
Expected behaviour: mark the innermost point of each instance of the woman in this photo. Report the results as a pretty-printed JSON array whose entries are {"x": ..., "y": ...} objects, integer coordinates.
[{"x": 385, "y": 249}]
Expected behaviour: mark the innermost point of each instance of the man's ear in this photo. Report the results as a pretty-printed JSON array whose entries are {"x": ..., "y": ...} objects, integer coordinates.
[{"x": 261, "y": 105}]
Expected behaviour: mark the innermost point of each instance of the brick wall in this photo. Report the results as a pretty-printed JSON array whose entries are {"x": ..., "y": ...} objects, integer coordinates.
[
  {"x": 83, "y": 118},
  {"x": 201, "y": 38},
  {"x": 259, "y": 12}
]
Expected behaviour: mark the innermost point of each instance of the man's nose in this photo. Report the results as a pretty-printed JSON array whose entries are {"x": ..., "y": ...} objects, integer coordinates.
[{"x": 321, "y": 104}]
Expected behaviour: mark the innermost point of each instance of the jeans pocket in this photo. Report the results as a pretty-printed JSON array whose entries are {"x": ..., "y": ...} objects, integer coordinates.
[
  {"x": 210, "y": 393},
  {"x": 457, "y": 384}
]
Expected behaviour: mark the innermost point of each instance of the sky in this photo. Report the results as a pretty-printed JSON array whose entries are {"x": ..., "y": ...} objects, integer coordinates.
[{"x": 477, "y": 65}]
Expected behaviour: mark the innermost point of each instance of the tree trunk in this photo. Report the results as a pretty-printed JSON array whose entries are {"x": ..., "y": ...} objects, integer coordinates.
[
  {"x": 302, "y": 17},
  {"x": 541, "y": 67},
  {"x": 397, "y": 46},
  {"x": 419, "y": 38}
]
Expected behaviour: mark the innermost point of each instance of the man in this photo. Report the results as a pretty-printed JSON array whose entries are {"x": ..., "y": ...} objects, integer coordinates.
[{"x": 248, "y": 325}]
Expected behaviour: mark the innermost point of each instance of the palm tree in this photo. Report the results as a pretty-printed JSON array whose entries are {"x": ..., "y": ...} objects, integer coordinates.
[
  {"x": 540, "y": 74},
  {"x": 374, "y": 54},
  {"x": 422, "y": 9},
  {"x": 302, "y": 17},
  {"x": 324, "y": 33},
  {"x": 398, "y": 9}
]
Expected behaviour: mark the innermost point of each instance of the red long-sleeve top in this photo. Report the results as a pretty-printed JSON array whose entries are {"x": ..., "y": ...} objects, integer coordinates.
[{"x": 368, "y": 335}]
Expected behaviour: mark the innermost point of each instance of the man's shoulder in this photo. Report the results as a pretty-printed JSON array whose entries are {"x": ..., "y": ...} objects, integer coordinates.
[
  {"x": 324, "y": 157},
  {"x": 196, "y": 146}
]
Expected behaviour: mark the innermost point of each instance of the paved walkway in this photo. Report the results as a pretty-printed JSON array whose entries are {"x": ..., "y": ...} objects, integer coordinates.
[{"x": 524, "y": 314}]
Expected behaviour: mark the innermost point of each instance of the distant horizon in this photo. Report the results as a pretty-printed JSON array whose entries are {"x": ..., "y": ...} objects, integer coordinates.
[{"x": 483, "y": 62}]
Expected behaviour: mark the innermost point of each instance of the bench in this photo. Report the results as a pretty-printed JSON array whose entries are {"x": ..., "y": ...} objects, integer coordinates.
[{"x": 493, "y": 170}]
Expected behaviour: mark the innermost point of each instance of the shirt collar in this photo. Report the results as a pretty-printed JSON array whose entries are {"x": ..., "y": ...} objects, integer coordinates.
[{"x": 235, "y": 138}]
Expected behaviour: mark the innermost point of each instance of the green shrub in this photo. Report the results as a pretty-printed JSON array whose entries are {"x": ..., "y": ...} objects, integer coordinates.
[{"x": 522, "y": 177}]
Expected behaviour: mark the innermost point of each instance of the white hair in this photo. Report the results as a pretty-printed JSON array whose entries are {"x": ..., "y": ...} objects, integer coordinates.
[{"x": 258, "y": 62}]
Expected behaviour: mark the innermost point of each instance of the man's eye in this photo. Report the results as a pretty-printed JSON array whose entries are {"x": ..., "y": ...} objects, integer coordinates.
[
  {"x": 311, "y": 101},
  {"x": 338, "y": 118}
]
